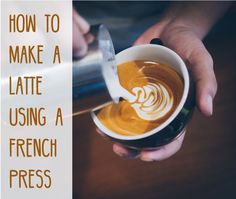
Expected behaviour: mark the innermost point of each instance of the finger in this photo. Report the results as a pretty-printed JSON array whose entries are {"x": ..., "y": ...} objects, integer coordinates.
[
  {"x": 81, "y": 22},
  {"x": 204, "y": 77},
  {"x": 163, "y": 152},
  {"x": 101, "y": 133},
  {"x": 80, "y": 46},
  {"x": 144, "y": 39},
  {"x": 147, "y": 36},
  {"x": 80, "y": 27},
  {"x": 151, "y": 33},
  {"x": 125, "y": 152},
  {"x": 120, "y": 149},
  {"x": 89, "y": 38}
]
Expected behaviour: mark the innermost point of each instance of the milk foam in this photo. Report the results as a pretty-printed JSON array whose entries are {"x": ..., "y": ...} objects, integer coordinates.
[
  {"x": 151, "y": 92},
  {"x": 151, "y": 102}
]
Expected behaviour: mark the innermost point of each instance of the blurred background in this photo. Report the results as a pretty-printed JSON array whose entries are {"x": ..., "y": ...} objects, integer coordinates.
[{"x": 205, "y": 167}]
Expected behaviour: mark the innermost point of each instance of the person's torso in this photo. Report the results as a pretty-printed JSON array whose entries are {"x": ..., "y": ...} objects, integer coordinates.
[{"x": 125, "y": 20}]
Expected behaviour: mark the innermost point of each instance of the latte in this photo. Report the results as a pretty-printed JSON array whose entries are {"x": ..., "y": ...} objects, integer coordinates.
[{"x": 154, "y": 92}]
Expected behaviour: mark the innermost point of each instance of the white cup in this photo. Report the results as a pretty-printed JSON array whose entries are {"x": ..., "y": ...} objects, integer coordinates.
[{"x": 175, "y": 124}]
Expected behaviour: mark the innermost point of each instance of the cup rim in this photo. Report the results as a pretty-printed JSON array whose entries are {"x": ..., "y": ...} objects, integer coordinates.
[{"x": 185, "y": 76}]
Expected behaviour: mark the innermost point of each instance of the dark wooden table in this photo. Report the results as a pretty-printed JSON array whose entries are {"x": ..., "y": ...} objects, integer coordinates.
[{"x": 205, "y": 167}]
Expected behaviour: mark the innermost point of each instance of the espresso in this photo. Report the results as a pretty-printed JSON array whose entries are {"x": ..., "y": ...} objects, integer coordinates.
[{"x": 156, "y": 90}]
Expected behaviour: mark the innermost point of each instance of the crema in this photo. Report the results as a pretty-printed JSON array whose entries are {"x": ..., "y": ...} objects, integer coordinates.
[{"x": 153, "y": 92}]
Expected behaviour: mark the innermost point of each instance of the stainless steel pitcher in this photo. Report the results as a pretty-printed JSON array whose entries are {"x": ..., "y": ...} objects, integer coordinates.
[{"x": 95, "y": 79}]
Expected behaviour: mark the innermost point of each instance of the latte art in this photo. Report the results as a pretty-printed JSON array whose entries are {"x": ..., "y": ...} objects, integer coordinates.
[
  {"x": 153, "y": 101},
  {"x": 151, "y": 92}
]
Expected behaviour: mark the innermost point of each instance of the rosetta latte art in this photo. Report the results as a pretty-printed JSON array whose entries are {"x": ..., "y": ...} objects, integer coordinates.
[
  {"x": 151, "y": 92},
  {"x": 153, "y": 101}
]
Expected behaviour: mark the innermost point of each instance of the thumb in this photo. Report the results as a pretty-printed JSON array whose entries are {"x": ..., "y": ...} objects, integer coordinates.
[
  {"x": 81, "y": 23},
  {"x": 201, "y": 68},
  {"x": 149, "y": 34}
]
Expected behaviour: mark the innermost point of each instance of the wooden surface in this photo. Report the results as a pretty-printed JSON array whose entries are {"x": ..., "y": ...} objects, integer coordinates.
[{"x": 205, "y": 167}]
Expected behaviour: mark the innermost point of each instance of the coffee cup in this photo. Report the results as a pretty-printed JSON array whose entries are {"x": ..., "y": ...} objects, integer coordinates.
[{"x": 174, "y": 125}]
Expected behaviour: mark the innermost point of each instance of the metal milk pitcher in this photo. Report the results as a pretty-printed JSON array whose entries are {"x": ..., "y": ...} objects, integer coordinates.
[{"x": 95, "y": 79}]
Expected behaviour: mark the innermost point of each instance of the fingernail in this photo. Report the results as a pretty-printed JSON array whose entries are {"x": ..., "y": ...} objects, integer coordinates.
[
  {"x": 126, "y": 153},
  {"x": 119, "y": 151},
  {"x": 209, "y": 104},
  {"x": 146, "y": 159},
  {"x": 89, "y": 38}
]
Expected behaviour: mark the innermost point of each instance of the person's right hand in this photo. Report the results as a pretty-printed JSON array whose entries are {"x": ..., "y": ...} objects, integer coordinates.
[
  {"x": 80, "y": 38},
  {"x": 184, "y": 41}
]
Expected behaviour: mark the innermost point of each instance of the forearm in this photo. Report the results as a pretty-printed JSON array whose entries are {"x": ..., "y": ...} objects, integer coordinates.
[{"x": 199, "y": 16}]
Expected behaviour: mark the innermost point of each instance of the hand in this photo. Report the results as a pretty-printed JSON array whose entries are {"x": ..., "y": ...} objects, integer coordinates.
[
  {"x": 184, "y": 41},
  {"x": 158, "y": 154},
  {"x": 189, "y": 46},
  {"x": 80, "y": 36}
]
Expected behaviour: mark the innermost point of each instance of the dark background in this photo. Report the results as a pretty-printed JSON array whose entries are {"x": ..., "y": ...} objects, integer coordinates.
[{"x": 205, "y": 167}]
